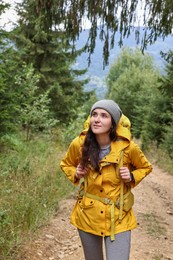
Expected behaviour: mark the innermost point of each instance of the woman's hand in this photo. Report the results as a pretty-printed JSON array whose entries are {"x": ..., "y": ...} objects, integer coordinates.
[
  {"x": 81, "y": 172},
  {"x": 125, "y": 174}
]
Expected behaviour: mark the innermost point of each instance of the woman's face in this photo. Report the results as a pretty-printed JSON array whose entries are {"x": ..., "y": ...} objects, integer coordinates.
[{"x": 100, "y": 121}]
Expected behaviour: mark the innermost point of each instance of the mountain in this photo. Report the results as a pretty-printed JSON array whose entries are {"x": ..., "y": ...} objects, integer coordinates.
[{"x": 97, "y": 73}]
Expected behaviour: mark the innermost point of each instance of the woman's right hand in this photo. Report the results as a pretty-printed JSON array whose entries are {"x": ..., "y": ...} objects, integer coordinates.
[{"x": 81, "y": 172}]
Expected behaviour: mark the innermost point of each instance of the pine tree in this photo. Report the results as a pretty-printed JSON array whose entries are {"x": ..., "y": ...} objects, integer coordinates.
[
  {"x": 167, "y": 91},
  {"x": 39, "y": 42},
  {"x": 8, "y": 98}
]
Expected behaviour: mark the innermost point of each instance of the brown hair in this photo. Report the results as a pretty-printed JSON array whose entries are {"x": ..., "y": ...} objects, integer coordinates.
[{"x": 91, "y": 148}]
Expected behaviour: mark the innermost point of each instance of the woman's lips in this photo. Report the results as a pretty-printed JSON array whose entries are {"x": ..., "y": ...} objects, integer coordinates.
[{"x": 96, "y": 126}]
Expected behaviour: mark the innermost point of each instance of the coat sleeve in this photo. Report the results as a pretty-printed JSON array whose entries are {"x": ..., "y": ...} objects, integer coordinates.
[
  {"x": 71, "y": 160},
  {"x": 141, "y": 167}
]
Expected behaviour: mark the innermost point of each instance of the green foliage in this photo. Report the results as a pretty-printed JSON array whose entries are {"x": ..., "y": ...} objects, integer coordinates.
[
  {"x": 166, "y": 90},
  {"x": 156, "y": 119},
  {"x": 31, "y": 184},
  {"x": 129, "y": 58},
  {"x": 144, "y": 96},
  {"x": 167, "y": 142},
  {"x": 76, "y": 125},
  {"x": 160, "y": 112},
  {"x": 8, "y": 99},
  {"x": 132, "y": 83},
  {"x": 34, "y": 107},
  {"x": 159, "y": 156}
]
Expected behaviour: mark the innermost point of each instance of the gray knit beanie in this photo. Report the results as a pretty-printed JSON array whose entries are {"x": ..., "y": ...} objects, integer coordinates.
[{"x": 110, "y": 106}]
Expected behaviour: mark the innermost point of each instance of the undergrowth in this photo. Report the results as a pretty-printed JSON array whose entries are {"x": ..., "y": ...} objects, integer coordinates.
[
  {"x": 160, "y": 158},
  {"x": 31, "y": 184}
]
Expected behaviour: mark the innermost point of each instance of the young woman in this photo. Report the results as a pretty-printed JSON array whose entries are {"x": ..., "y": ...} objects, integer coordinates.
[{"x": 107, "y": 163}]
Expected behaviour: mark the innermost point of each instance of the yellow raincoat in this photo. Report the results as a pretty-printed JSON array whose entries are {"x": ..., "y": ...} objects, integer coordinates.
[{"x": 90, "y": 214}]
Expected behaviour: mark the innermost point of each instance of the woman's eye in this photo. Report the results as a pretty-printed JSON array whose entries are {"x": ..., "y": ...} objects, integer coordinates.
[
  {"x": 104, "y": 115},
  {"x": 100, "y": 115},
  {"x": 94, "y": 114}
]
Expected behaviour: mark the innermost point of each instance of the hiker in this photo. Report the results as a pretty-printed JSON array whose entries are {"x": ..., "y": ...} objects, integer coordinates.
[{"x": 106, "y": 163}]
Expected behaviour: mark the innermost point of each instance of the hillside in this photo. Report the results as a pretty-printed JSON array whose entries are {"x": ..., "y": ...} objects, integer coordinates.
[{"x": 97, "y": 74}]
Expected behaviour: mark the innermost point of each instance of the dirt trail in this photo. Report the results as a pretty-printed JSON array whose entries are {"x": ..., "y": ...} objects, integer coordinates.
[{"x": 153, "y": 239}]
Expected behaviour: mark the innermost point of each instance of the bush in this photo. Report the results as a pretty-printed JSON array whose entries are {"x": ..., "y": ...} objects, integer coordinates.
[{"x": 167, "y": 142}]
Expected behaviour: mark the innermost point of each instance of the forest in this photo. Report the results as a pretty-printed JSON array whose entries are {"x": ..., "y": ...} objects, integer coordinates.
[{"x": 44, "y": 103}]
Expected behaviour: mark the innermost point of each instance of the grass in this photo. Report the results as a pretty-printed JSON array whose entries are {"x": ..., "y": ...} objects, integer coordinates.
[
  {"x": 158, "y": 257},
  {"x": 31, "y": 184},
  {"x": 157, "y": 156},
  {"x": 154, "y": 226},
  {"x": 160, "y": 158}
]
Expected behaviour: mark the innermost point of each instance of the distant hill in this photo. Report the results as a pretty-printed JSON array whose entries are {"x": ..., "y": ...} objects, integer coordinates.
[{"x": 97, "y": 74}]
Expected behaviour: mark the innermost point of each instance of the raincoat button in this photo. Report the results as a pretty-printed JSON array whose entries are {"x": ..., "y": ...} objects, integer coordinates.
[
  {"x": 101, "y": 190},
  {"x": 101, "y": 211},
  {"x": 101, "y": 233},
  {"x": 91, "y": 202}
]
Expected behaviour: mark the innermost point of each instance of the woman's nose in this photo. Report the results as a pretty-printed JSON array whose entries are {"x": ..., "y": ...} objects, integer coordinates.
[{"x": 97, "y": 118}]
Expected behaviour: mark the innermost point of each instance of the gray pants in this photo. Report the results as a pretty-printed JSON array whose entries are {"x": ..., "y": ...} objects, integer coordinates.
[{"x": 119, "y": 249}]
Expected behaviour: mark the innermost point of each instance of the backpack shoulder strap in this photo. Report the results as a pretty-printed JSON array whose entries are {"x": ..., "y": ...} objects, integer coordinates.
[{"x": 121, "y": 186}]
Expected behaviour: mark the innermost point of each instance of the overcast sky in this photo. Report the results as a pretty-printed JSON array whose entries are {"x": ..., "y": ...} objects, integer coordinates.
[{"x": 9, "y": 17}]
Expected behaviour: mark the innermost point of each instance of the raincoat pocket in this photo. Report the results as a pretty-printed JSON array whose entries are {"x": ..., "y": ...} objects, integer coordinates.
[
  {"x": 128, "y": 201},
  {"x": 86, "y": 202}
]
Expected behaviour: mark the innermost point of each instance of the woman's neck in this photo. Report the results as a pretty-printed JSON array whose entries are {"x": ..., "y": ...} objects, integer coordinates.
[{"x": 103, "y": 140}]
